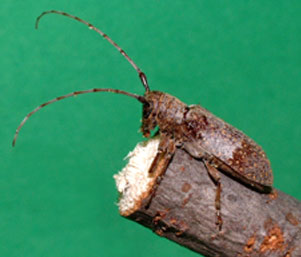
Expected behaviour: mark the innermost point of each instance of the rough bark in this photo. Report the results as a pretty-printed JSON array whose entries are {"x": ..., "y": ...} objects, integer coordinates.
[{"x": 254, "y": 224}]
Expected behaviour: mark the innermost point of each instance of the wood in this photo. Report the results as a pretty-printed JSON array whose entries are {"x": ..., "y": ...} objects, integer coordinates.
[{"x": 254, "y": 224}]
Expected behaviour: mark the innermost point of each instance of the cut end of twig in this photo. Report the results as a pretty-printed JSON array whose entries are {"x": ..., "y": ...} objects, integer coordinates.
[{"x": 133, "y": 182}]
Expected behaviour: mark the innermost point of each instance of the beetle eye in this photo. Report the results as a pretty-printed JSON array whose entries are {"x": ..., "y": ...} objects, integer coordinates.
[{"x": 147, "y": 109}]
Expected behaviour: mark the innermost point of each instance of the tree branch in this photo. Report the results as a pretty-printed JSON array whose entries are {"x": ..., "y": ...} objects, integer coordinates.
[{"x": 183, "y": 210}]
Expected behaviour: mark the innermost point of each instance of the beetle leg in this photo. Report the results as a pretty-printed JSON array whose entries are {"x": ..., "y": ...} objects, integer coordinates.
[
  {"x": 214, "y": 174},
  {"x": 166, "y": 150}
]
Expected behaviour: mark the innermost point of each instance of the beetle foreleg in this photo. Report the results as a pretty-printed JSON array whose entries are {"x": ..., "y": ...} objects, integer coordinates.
[
  {"x": 166, "y": 150},
  {"x": 214, "y": 174}
]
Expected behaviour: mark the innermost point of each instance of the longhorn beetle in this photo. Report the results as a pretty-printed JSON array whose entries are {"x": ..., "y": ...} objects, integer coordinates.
[{"x": 220, "y": 146}]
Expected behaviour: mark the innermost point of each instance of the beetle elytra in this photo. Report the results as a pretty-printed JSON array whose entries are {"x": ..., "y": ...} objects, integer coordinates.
[{"x": 220, "y": 146}]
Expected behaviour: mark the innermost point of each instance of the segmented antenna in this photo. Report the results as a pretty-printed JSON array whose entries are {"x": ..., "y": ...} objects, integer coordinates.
[
  {"x": 142, "y": 76},
  {"x": 94, "y": 90}
]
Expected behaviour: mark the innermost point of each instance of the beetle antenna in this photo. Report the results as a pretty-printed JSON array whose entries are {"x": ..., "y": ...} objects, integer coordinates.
[
  {"x": 94, "y": 90},
  {"x": 142, "y": 76}
]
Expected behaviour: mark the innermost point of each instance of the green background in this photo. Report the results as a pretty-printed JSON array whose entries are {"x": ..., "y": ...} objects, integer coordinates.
[{"x": 239, "y": 59}]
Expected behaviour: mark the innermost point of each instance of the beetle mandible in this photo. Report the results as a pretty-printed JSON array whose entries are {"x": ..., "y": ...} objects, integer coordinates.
[{"x": 220, "y": 146}]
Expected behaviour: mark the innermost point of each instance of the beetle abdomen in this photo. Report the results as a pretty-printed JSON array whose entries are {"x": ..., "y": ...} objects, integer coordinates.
[{"x": 228, "y": 144}]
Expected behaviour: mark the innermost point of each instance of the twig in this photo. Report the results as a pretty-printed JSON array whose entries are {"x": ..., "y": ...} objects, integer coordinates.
[{"x": 254, "y": 224}]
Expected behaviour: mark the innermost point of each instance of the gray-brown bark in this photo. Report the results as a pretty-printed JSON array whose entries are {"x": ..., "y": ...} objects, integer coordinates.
[{"x": 254, "y": 224}]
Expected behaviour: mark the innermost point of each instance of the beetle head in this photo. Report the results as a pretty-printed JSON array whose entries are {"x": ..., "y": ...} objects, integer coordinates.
[
  {"x": 150, "y": 112},
  {"x": 161, "y": 109}
]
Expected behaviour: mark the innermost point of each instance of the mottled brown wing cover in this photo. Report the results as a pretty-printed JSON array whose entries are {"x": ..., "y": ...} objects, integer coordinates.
[{"x": 229, "y": 145}]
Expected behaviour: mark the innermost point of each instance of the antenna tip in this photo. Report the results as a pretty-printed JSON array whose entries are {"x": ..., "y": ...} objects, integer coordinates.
[
  {"x": 15, "y": 140},
  {"x": 38, "y": 19},
  {"x": 37, "y": 23}
]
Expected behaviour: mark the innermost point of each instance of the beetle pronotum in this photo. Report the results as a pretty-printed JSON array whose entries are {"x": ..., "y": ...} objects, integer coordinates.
[{"x": 220, "y": 146}]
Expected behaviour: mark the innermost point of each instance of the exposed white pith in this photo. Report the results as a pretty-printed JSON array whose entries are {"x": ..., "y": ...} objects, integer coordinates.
[{"x": 133, "y": 182}]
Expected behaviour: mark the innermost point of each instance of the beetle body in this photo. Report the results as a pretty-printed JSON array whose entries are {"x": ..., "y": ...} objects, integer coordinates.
[
  {"x": 203, "y": 135},
  {"x": 216, "y": 143}
]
